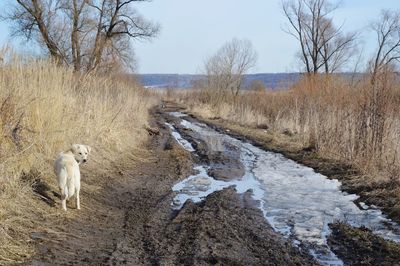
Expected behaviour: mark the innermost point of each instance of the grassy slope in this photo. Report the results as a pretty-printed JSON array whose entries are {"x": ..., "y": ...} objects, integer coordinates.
[{"x": 43, "y": 110}]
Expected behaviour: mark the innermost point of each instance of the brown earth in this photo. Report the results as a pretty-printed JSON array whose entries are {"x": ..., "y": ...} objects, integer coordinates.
[
  {"x": 130, "y": 221},
  {"x": 361, "y": 247}
]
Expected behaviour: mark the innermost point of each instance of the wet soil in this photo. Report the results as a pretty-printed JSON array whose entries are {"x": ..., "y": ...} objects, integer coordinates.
[
  {"x": 223, "y": 159},
  {"x": 131, "y": 222},
  {"x": 361, "y": 247},
  {"x": 226, "y": 229}
]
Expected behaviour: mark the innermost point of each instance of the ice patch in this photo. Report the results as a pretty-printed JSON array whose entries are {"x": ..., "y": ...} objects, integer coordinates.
[
  {"x": 183, "y": 142},
  {"x": 196, "y": 187},
  {"x": 178, "y": 114},
  {"x": 310, "y": 201}
]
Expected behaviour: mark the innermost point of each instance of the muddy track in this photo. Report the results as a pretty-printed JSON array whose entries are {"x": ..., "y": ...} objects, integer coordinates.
[
  {"x": 385, "y": 194},
  {"x": 224, "y": 229},
  {"x": 131, "y": 222},
  {"x": 355, "y": 246}
]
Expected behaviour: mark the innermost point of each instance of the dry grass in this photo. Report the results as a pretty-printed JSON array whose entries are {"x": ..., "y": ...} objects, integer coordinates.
[
  {"x": 43, "y": 110},
  {"x": 357, "y": 123}
]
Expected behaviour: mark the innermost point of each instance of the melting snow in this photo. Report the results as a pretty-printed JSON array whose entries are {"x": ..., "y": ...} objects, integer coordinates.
[
  {"x": 183, "y": 142},
  {"x": 298, "y": 202}
]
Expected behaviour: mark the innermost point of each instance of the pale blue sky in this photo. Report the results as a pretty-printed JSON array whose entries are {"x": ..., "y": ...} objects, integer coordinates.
[{"x": 191, "y": 30}]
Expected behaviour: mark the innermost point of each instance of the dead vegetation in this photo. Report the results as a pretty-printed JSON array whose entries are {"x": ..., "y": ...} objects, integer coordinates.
[
  {"x": 44, "y": 109},
  {"x": 350, "y": 118},
  {"x": 357, "y": 123}
]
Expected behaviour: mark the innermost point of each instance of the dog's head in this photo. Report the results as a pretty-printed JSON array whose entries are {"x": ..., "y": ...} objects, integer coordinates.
[{"x": 80, "y": 152}]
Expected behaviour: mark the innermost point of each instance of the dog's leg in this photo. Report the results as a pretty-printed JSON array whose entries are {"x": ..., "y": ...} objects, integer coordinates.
[
  {"x": 78, "y": 203},
  {"x": 63, "y": 200}
]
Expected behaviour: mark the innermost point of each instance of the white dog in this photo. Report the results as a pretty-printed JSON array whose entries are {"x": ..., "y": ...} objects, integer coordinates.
[{"x": 66, "y": 168}]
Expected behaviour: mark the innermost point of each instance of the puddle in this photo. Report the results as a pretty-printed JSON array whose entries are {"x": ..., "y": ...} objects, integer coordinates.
[{"x": 298, "y": 202}]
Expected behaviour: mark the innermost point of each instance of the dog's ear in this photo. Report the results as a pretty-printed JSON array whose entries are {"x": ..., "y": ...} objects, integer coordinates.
[
  {"x": 88, "y": 148},
  {"x": 75, "y": 148}
]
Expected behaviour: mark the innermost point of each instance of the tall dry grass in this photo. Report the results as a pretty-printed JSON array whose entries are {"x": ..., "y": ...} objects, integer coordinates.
[
  {"x": 357, "y": 123},
  {"x": 43, "y": 110}
]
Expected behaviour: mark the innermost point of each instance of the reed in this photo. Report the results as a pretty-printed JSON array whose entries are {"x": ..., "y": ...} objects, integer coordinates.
[
  {"x": 354, "y": 122},
  {"x": 45, "y": 108}
]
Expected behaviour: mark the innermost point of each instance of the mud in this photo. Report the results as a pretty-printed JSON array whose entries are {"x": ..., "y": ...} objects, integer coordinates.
[
  {"x": 226, "y": 229},
  {"x": 361, "y": 247},
  {"x": 131, "y": 222},
  {"x": 222, "y": 159}
]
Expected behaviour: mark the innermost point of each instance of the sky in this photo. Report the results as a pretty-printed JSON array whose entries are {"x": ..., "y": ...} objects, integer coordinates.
[{"x": 193, "y": 30}]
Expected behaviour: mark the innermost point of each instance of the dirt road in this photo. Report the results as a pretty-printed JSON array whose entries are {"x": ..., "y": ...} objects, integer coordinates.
[{"x": 131, "y": 222}]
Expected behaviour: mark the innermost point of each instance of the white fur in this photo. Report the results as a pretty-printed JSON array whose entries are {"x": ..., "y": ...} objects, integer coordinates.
[{"x": 67, "y": 171}]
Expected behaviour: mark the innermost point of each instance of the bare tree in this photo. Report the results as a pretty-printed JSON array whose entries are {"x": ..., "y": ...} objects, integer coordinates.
[
  {"x": 387, "y": 30},
  {"x": 226, "y": 68},
  {"x": 86, "y": 34},
  {"x": 77, "y": 13},
  {"x": 322, "y": 45},
  {"x": 338, "y": 50},
  {"x": 34, "y": 20},
  {"x": 117, "y": 22},
  {"x": 374, "y": 109}
]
